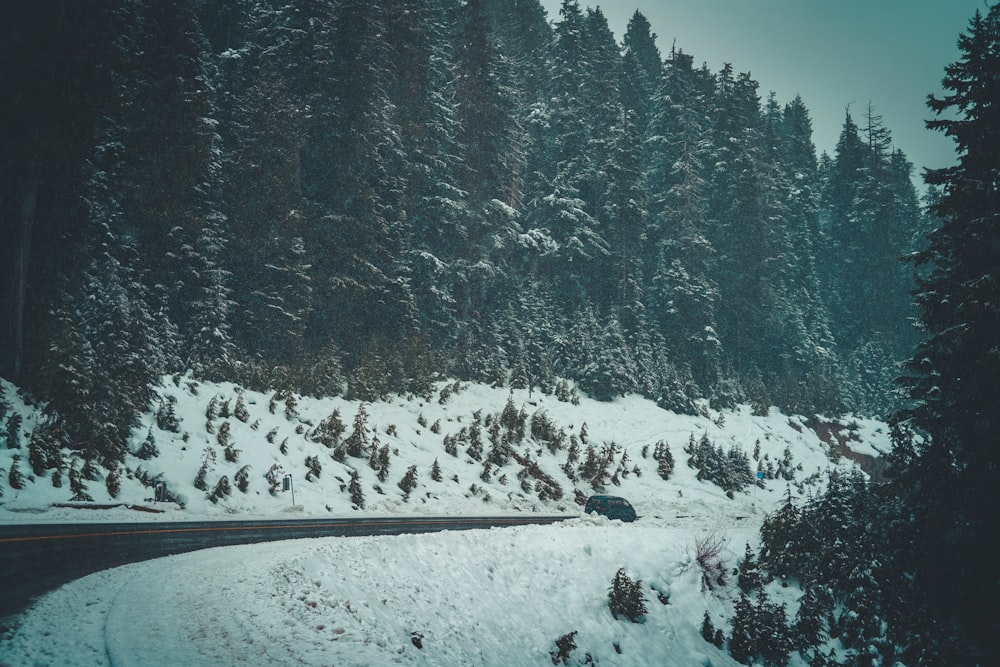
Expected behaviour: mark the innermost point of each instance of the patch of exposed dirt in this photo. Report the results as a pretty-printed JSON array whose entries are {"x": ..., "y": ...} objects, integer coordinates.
[{"x": 837, "y": 436}]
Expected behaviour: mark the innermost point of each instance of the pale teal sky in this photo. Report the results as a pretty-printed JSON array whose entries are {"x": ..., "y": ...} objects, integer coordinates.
[{"x": 891, "y": 53}]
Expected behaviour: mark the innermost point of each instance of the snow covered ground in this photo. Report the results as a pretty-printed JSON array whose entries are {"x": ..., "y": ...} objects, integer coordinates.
[{"x": 496, "y": 597}]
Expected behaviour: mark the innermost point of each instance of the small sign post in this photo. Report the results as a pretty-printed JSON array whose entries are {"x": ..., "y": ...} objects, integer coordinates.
[{"x": 286, "y": 485}]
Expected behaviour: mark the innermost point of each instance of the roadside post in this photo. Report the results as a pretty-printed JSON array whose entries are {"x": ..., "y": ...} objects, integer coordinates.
[{"x": 286, "y": 485}]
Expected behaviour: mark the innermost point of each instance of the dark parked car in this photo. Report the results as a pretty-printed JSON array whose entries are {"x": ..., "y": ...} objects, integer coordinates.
[{"x": 613, "y": 507}]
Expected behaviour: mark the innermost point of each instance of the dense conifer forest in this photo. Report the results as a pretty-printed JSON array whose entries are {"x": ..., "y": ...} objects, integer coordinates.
[{"x": 357, "y": 197}]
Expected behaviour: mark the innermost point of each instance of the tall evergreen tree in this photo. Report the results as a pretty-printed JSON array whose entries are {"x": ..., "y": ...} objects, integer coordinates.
[
  {"x": 484, "y": 102},
  {"x": 440, "y": 221},
  {"x": 57, "y": 82},
  {"x": 744, "y": 226},
  {"x": 523, "y": 29},
  {"x": 950, "y": 486},
  {"x": 682, "y": 292},
  {"x": 268, "y": 218},
  {"x": 841, "y": 183},
  {"x": 642, "y": 67},
  {"x": 872, "y": 210},
  {"x": 624, "y": 212},
  {"x": 559, "y": 210},
  {"x": 171, "y": 175},
  {"x": 352, "y": 172},
  {"x": 815, "y": 356},
  {"x": 491, "y": 145}
]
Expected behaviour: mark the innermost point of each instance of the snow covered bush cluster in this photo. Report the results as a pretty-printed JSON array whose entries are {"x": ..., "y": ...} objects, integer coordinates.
[{"x": 729, "y": 469}]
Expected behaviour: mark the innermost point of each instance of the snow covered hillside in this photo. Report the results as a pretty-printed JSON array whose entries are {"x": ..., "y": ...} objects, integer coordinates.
[
  {"x": 497, "y": 597},
  {"x": 489, "y": 461}
]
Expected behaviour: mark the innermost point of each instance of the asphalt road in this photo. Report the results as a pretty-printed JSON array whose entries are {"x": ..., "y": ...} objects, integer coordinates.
[{"x": 36, "y": 558}]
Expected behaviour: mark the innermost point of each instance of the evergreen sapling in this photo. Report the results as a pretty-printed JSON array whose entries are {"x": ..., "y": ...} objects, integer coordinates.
[{"x": 625, "y": 597}]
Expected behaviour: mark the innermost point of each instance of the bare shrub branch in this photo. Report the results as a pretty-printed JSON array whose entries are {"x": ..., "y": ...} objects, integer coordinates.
[{"x": 708, "y": 553}]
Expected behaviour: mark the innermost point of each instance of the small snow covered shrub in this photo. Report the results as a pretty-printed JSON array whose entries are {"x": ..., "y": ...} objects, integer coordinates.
[
  {"x": 77, "y": 485},
  {"x": 223, "y": 434},
  {"x": 89, "y": 471},
  {"x": 710, "y": 633},
  {"x": 565, "y": 645},
  {"x": 15, "y": 477},
  {"x": 357, "y": 442},
  {"x": 240, "y": 409},
  {"x": 354, "y": 487},
  {"x": 409, "y": 481},
  {"x": 664, "y": 460},
  {"x": 212, "y": 409},
  {"x": 13, "y": 427},
  {"x": 291, "y": 406},
  {"x": 596, "y": 466},
  {"x": 448, "y": 390},
  {"x": 589, "y": 465},
  {"x": 113, "y": 482},
  {"x": 451, "y": 445},
  {"x": 148, "y": 448},
  {"x": 45, "y": 447},
  {"x": 221, "y": 490},
  {"x": 231, "y": 453},
  {"x": 749, "y": 577},
  {"x": 166, "y": 417},
  {"x": 544, "y": 430},
  {"x": 207, "y": 463},
  {"x": 273, "y": 476},
  {"x": 513, "y": 420},
  {"x": 378, "y": 460},
  {"x": 545, "y": 486},
  {"x": 242, "y": 478},
  {"x": 315, "y": 468},
  {"x": 625, "y": 597},
  {"x": 475, "y": 449}
]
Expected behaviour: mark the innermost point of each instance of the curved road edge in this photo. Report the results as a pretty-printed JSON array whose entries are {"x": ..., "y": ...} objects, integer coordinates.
[{"x": 37, "y": 558}]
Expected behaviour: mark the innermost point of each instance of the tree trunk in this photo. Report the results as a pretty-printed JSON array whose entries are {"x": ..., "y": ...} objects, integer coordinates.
[{"x": 12, "y": 309}]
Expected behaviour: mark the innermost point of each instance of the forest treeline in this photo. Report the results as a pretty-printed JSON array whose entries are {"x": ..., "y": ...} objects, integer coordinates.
[{"x": 341, "y": 196}]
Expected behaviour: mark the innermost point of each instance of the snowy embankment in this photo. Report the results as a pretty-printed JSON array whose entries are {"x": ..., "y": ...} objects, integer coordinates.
[{"x": 497, "y": 597}]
